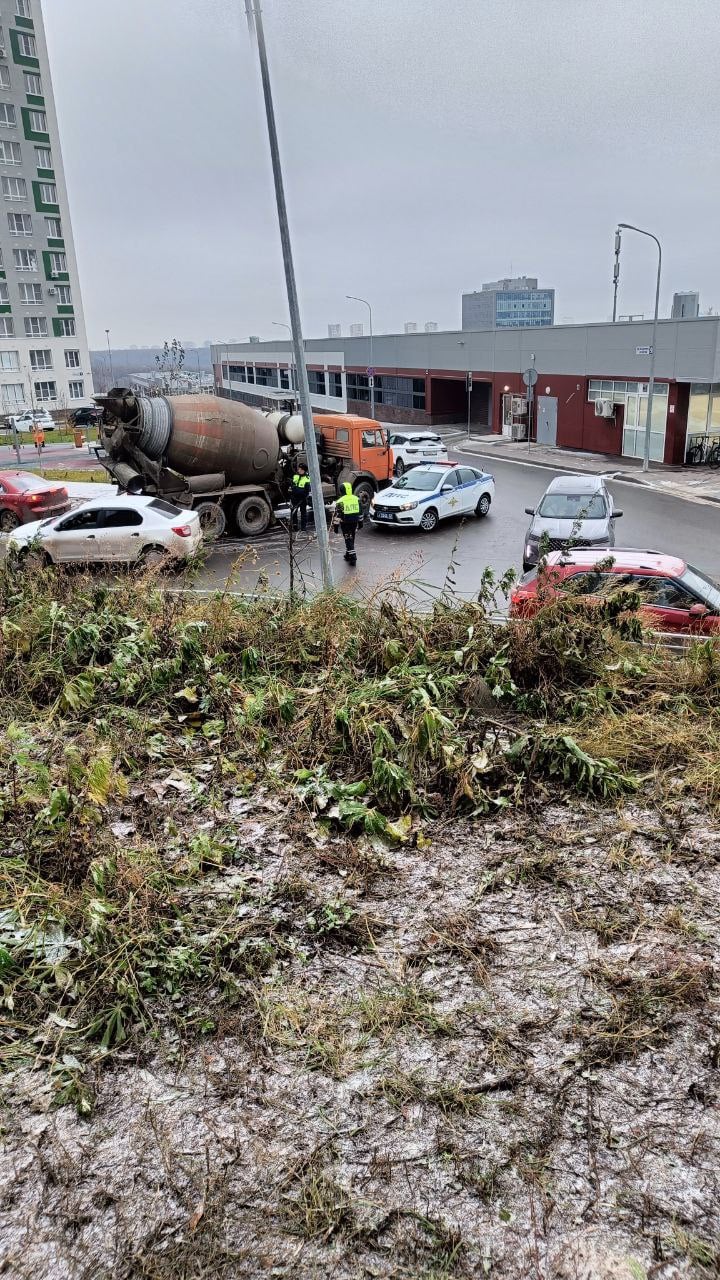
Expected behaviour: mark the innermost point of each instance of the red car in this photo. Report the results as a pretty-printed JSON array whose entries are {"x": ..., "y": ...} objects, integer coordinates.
[
  {"x": 25, "y": 497},
  {"x": 678, "y": 597}
]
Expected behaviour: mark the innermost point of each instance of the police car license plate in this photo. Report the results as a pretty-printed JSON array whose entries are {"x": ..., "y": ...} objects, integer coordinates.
[{"x": 384, "y": 515}]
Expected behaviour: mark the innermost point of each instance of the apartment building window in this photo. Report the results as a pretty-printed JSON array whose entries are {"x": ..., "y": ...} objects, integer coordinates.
[
  {"x": 48, "y": 192},
  {"x": 20, "y": 224},
  {"x": 77, "y": 390},
  {"x": 33, "y": 83},
  {"x": 9, "y": 361},
  {"x": 4, "y": 294},
  {"x": 7, "y": 327},
  {"x": 316, "y": 381},
  {"x": 43, "y": 158},
  {"x": 41, "y": 360},
  {"x": 36, "y": 327},
  {"x": 4, "y": 77},
  {"x": 54, "y": 228},
  {"x": 8, "y": 119},
  {"x": 64, "y": 295},
  {"x": 22, "y": 8},
  {"x": 13, "y": 394},
  {"x": 65, "y": 328},
  {"x": 31, "y": 295},
  {"x": 72, "y": 359},
  {"x": 38, "y": 121},
  {"x": 46, "y": 391},
  {"x": 26, "y": 259},
  {"x": 14, "y": 188},
  {"x": 58, "y": 263},
  {"x": 10, "y": 153},
  {"x": 26, "y": 45}
]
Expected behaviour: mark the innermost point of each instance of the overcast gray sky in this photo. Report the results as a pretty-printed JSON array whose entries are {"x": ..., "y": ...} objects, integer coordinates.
[{"x": 428, "y": 145}]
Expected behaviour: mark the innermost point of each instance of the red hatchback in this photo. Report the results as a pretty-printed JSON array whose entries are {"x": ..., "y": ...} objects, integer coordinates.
[
  {"x": 677, "y": 597},
  {"x": 25, "y": 497}
]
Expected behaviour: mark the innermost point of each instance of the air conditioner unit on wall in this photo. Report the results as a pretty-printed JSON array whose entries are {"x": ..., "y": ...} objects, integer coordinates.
[{"x": 604, "y": 408}]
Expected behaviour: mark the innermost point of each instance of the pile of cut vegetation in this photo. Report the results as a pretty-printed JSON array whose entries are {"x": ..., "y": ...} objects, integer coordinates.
[{"x": 341, "y": 940}]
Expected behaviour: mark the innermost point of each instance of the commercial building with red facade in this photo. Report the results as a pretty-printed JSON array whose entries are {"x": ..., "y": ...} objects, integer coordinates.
[{"x": 590, "y": 393}]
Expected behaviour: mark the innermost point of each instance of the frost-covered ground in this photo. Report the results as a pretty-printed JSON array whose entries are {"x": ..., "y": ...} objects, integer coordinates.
[{"x": 492, "y": 1050}]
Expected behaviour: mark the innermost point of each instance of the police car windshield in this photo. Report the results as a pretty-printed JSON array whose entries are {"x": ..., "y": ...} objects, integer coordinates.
[{"x": 418, "y": 479}]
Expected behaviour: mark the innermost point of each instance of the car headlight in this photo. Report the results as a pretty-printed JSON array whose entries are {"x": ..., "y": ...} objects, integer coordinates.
[
  {"x": 408, "y": 506},
  {"x": 530, "y": 548}
]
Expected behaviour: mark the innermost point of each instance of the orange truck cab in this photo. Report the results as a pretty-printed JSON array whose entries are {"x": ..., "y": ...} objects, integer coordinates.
[{"x": 356, "y": 450}]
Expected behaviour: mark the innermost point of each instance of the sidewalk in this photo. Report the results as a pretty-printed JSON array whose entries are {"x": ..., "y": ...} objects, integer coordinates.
[{"x": 684, "y": 482}]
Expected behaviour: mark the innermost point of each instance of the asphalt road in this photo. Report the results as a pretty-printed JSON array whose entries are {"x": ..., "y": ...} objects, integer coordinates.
[{"x": 456, "y": 556}]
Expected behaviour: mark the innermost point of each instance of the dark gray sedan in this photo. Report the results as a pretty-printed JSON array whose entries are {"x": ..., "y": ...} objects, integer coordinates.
[{"x": 574, "y": 511}]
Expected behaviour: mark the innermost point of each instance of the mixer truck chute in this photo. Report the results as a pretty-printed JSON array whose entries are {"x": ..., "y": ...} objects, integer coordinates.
[{"x": 231, "y": 463}]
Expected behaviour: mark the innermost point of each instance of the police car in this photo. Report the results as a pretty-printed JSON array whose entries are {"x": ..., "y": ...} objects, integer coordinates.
[{"x": 428, "y": 494}]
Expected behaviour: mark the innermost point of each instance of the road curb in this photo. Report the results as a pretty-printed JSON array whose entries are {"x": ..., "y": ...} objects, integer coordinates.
[{"x": 627, "y": 477}]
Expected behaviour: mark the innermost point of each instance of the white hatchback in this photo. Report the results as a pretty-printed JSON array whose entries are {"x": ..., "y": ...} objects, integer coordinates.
[
  {"x": 119, "y": 530},
  {"x": 426, "y": 495},
  {"x": 412, "y": 447}
]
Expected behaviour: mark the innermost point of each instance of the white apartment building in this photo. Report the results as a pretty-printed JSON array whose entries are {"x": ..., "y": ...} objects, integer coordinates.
[{"x": 44, "y": 357}]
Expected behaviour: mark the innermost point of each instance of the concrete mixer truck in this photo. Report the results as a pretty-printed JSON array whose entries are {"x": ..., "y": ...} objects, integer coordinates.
[{"x": 230, "y": 463}]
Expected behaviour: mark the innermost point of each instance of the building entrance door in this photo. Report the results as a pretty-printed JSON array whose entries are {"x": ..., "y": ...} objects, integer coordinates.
[
  {"x": 635, "y": 419},
  {"x": 547, "y": 420}
]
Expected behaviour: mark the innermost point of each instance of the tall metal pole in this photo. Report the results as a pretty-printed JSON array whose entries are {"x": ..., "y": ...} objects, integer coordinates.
[
  {"x": 352, "y": 298},
  {"x": 616, "y": 274},
  {"x": 112, "y": 374},
  {"x": 255, "y": 22},
  {"x": 626, "y": 226}
]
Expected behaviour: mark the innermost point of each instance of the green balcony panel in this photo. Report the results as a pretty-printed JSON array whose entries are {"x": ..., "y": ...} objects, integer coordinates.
[{"x": 21, "y": 58}]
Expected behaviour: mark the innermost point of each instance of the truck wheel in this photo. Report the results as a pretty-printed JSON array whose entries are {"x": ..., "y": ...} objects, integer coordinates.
[
  {"x": 253, "y": 516},
  {"x": 212, "y": 520},
  {"x": 365, "y": 492},
  {"x": 399, "y": 467}
]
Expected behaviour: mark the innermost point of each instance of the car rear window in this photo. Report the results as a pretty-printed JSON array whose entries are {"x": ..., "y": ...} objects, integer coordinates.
[
  {"x": 29, "y": 484},
  {"x": 165, "y": 508}
]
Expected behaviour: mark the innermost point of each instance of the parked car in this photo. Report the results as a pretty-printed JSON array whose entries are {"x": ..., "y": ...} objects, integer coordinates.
[
  {"x": 676, "y": 596},
  {"x": 574, "y": 511},
  {"x": 25, "y": 497},
  {"x": 412, "y": 447},
  {"x": 121, "y": 530},
  {"x": 27, "y": 420},
  {"x": 85, "y": 417},
  {"x": 427, "y": 494}
]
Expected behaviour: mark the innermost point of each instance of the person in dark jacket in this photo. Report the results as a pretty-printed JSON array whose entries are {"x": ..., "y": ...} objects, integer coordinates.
[
  {"x": 300, "y": 492},
  {"x": 348, "y": 516}
]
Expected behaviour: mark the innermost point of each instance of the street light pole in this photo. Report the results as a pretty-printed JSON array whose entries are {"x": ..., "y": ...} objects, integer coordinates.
[
  {"x": 352, "y": 298},
  {"x": 616, "y": 274},
  {"x": 112, "y": 374},
  {"x": 468, "y": 386},
  {"x": 280, "y": 324},
  {"x": 255, "y": 22},
  {"x": 627, "y": 226}
]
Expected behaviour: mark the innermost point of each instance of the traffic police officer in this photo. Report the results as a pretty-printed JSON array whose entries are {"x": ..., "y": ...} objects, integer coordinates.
[
  {"x": 347, "y": 515},
  {"x": 299, "y": 496}
]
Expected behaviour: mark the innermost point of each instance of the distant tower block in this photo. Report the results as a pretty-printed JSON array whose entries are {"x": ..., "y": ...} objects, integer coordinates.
[
  {"x": 431, "y": 326},
  {"x": 356, "y": 331},
  {"x": 410, "y": 326},
  {"x": 334, "y": 331}
]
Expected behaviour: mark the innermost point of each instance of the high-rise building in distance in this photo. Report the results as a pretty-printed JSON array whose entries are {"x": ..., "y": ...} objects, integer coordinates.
[
  {"x": 334, "y": 331},
  {"x": 411, "y": 326},
  {"x": 431, "y": 326},
  {"x": 44, "y": 358},
  {"x": 356, "y": 331},
  {"x": 512, "y": 303},
  {"x": 685, "y": 306}
]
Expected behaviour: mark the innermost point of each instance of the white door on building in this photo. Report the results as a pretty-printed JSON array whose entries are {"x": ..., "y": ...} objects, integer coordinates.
[{"x": 636, "y": 419}]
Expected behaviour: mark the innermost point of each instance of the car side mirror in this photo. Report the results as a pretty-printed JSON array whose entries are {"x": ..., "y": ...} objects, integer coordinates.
[
  {"x": 699, "y": 610},
  {"x": 616, "y": 515},
  {"x": 529, "y": 511},
  {"x": 447, "y": 488}
]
